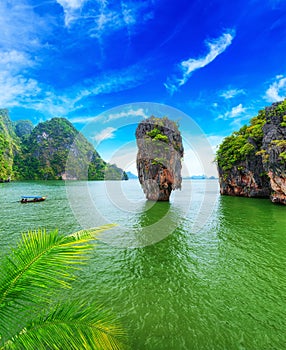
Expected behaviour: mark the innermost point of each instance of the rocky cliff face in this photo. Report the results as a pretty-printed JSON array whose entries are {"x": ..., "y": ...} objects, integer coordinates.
[
  {"x": 160, "y": 150},
  {"x": 246, "y": 179},
  {"x": 274, "y": 148},
  {"x": 251, "y": 162},
  {"x": 56, "y": 150},
  {"x": 41, "y": 153}
]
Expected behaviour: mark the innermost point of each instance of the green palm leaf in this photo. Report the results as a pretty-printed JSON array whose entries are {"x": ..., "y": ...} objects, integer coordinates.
[
  {"x": 72, "y": 326},
  {"x": 40, "y": 264}
]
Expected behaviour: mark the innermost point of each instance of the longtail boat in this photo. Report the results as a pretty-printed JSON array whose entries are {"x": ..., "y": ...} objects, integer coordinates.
[{"x": 32, "y": 199}]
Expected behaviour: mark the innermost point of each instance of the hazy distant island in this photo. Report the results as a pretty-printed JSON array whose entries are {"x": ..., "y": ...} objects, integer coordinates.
[
  {"x": 42, "y": 152},
  {"x": 131, "y": 176},
  {"x": 199, "y": 177},
  {"x": 252, "y": 161}
]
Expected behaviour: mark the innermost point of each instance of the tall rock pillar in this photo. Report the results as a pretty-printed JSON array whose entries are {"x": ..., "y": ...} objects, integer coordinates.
[{"x": 160, "y": 151}]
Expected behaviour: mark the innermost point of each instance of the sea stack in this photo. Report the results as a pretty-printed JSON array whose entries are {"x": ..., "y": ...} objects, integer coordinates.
[{"x": 160, "y": 150}]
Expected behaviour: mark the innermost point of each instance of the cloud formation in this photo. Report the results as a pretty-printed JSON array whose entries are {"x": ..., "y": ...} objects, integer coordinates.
[
  {"x": 231, "y": 93},
  {"x": 216, "y": 47},
  {"x": 125, "y": 114},
  {"x": 102, "y": 17},
  {"x": 277, "y": 90},
  {"x": 233, "y": 113},
  {"x": 105, "y": 134},
  {"x": 71, "y": 9}
]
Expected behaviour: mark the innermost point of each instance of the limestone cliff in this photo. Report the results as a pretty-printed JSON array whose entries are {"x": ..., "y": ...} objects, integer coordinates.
[
  {"x": 41, "y": 153},
  {"x": 160, "y": 151},
  {"x": 251, "y": 162},
  {"x": 274, "y": 150},
  {"x": 56, "y": 150}
]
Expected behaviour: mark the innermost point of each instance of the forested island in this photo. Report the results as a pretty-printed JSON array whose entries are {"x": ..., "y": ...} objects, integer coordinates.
[
  {"x": 41, "y": 152},
  {"x": 252, "y": 161}
]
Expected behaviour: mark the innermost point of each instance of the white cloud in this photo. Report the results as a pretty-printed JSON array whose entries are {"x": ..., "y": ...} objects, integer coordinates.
[
  {"x": 105, "y": 134},
  {"x": 277, "y": 90},
  {"x": 105, "y": 17},
  {"x": 21, "y": 27},
  {"x": 216, "y": 47},
  {"x": 125, "y": 114},
  {"x": 114, "y": 81},
  {"x": 16, "y": 90},
  {"x": 109, "y": 117},
  {"x": 233, "y": 113},
  {"x": 83, "y": 119},
  {"x": 71, "y": 9},
  {"x": 231, "y": 93},
  {"x": 112, "y": 18},
  {"x": 13, "y": 60},
  {"x": 20, "y": 90}
]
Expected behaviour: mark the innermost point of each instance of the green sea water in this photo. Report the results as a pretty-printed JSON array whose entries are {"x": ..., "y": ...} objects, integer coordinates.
[{"x": 214, "y": 277}]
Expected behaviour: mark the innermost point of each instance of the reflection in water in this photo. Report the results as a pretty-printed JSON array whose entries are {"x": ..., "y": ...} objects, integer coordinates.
[
  {"x": 95, "y": 204},
  {"x": 152, "y": 212},
  {"x": 149, "y": 225}
]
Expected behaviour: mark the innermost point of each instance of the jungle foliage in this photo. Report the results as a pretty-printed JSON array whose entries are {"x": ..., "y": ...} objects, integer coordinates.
[
  {"x": 49, "y": 151},
  {"x": 247, "y": 141}
]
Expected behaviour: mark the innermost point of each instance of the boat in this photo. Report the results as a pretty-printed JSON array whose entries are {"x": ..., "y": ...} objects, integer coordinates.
[{"x": 32, "y": 199}]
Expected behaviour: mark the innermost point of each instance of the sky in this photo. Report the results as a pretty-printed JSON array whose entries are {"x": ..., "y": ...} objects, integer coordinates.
[{"x": 105, "y": 65}]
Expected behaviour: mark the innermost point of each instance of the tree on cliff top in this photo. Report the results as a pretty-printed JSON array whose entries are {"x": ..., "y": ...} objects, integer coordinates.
[
  {"x": 242, "y": 143},
  {"x": 248, "y": 140}
]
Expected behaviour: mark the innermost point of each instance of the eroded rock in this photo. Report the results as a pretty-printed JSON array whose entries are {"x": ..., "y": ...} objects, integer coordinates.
[
  {"x": 252, "y": 161},
  {"x": 160, "y": 151}
]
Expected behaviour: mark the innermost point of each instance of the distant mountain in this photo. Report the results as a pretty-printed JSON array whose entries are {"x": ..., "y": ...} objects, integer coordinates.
[
  {"x": 131, "y": 175},
  {"x": 52, "y": 150},
  {"x": 23, "y": 128},
  {"x": 200, "y": 177}
]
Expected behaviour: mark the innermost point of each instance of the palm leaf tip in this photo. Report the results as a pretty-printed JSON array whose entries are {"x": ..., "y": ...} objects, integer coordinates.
[
  {"x": 73, "y": 326},
  {"x": 92, "y": 232}
]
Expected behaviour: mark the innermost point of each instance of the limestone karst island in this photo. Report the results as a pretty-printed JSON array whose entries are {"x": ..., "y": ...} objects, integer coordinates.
[
  {"x": 160, "y": 150},
  {"x": 42, "y": 152},
  {"x": 252, "y": 161}
]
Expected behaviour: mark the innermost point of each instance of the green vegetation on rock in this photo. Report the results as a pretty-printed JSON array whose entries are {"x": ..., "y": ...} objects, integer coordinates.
[
  {"x": 248, "y": 140},
  {"x": 251, "y": 162},
  {"x": 52, "y": 150},
  {"x": 9, "y": 144},
  {"x": 23, "y": 128},
  {"x": 161, "y": 129}
]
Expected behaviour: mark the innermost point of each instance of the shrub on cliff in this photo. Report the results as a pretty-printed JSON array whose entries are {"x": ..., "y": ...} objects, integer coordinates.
[
  {"x": 252, "y": 161},
  {"x": 242, "y": 143}
]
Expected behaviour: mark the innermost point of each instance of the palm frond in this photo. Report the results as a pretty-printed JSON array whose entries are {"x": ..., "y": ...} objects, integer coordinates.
[
  {"x": 72, "y": 326},
  {"x": 40, "y": 264}
]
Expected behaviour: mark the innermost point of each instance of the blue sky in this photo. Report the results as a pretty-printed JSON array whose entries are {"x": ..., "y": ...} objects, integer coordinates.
[{"x": 218, "y": 62}]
